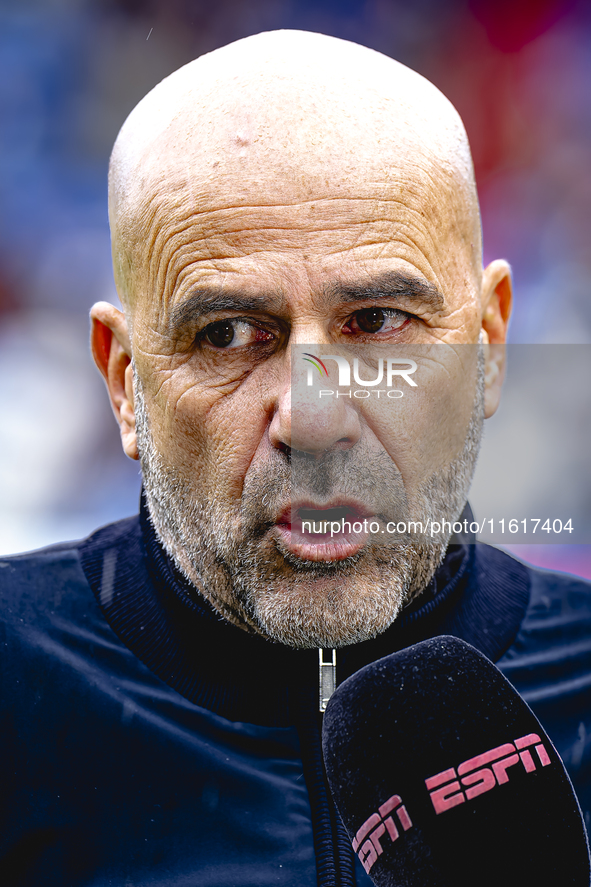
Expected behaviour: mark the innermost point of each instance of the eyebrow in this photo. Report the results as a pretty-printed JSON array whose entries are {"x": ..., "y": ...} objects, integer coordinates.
[
  {"x": 393, "y": 285},
  {"x": 202, "y": 302}
]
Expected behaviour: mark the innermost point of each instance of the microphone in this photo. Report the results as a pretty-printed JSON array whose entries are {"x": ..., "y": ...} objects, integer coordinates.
[{"x": 444, "y": 777}]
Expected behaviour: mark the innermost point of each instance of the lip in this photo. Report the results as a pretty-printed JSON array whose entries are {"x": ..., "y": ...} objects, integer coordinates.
[{"x": 308, "y": 529}]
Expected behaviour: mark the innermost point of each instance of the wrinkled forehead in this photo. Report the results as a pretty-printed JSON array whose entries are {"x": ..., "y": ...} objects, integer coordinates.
[{"x": 338, "y": 124}]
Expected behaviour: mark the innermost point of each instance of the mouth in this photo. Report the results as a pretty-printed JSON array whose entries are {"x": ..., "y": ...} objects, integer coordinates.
[{"x": 331, "y": 532}]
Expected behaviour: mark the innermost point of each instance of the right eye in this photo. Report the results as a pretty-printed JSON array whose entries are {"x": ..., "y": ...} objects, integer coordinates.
[
  {"x": 220, "y": 334},
  {"x": 235, "y": 333}
]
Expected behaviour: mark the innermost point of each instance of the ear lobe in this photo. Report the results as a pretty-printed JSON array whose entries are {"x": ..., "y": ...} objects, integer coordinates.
[
  {"x": 494, "y": 373},
  {"x": 111, "y": 349}
]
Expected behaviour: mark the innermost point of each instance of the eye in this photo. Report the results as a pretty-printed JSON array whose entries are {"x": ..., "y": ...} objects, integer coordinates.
[
  {"x": 376, "y": 320},
  {"x": 220, "y": 334},
  {"x": 234, "y": 333}
]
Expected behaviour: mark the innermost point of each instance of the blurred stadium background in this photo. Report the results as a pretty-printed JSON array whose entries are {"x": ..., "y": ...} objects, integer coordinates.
[{"x": 519, "y": 72}]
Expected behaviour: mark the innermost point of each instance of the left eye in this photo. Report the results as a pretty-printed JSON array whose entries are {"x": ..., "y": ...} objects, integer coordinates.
[
  {"x": 376, "y": 320},
  {"x": 234, "y": 334}
]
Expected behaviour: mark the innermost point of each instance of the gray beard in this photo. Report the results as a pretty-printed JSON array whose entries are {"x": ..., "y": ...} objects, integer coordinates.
[{"x": 224, "y": 553}]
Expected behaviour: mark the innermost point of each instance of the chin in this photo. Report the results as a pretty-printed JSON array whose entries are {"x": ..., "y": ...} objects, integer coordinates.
[{"x": 328, "y": 610}]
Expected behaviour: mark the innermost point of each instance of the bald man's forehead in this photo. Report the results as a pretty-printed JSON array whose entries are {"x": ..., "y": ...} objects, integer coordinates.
[
  {"x": 240, "y": 167},
  {"x": 297, "y": 249},
  {"x": 263, "y": 122}
]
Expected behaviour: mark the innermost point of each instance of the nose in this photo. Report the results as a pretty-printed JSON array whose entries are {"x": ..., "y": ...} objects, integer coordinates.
[{"x": 311, "y": 420}]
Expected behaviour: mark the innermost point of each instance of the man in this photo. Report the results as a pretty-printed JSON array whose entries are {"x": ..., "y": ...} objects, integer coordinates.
[{"x": 289, "y": 196}]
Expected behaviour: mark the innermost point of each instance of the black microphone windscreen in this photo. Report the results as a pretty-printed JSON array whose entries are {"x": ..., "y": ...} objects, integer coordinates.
[{"x": 444, "y": 777}]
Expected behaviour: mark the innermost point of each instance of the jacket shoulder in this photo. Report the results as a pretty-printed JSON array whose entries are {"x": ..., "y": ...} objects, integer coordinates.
[
  {"x": 553, "y": 646},
  {"x": 35, "y": 584}
]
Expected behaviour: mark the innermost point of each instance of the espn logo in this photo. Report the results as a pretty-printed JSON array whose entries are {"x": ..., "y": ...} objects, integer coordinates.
[
  {"x": 367, "y": 840},
  {"x": 477, "y": 777}
]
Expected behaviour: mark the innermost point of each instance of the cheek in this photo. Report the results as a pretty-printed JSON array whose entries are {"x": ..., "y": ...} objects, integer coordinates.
[
  {"x": 209, "y": 435},
  {"x": 425, "y": 429}
]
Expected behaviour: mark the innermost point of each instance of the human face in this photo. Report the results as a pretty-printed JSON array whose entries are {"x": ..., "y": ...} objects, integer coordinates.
[{"x": 217, "y": 430}]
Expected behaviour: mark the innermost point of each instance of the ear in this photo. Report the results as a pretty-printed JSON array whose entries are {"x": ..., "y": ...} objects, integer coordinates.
[
  {"x": 111, "y": 350},
  {"x": 496, "y": 301}
]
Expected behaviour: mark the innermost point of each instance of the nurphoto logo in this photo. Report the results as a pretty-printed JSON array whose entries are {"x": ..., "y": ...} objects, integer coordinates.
[{"x": 388, "y": 369}]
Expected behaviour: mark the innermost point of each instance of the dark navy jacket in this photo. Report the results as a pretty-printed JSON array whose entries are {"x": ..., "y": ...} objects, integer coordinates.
[{"x": 146, "y": 743}]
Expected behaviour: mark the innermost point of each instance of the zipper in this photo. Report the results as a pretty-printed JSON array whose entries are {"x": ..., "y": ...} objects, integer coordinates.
[
  {"x": 335, "y": 866},
  {"x": 327, "y": 673}
]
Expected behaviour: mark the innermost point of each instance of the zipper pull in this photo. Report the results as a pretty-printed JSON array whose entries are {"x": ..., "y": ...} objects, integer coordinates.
[{"x": 327, "y": 671}]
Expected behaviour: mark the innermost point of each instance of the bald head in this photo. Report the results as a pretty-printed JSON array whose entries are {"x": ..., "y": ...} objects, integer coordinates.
[{"x": 281, "y": 119}]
